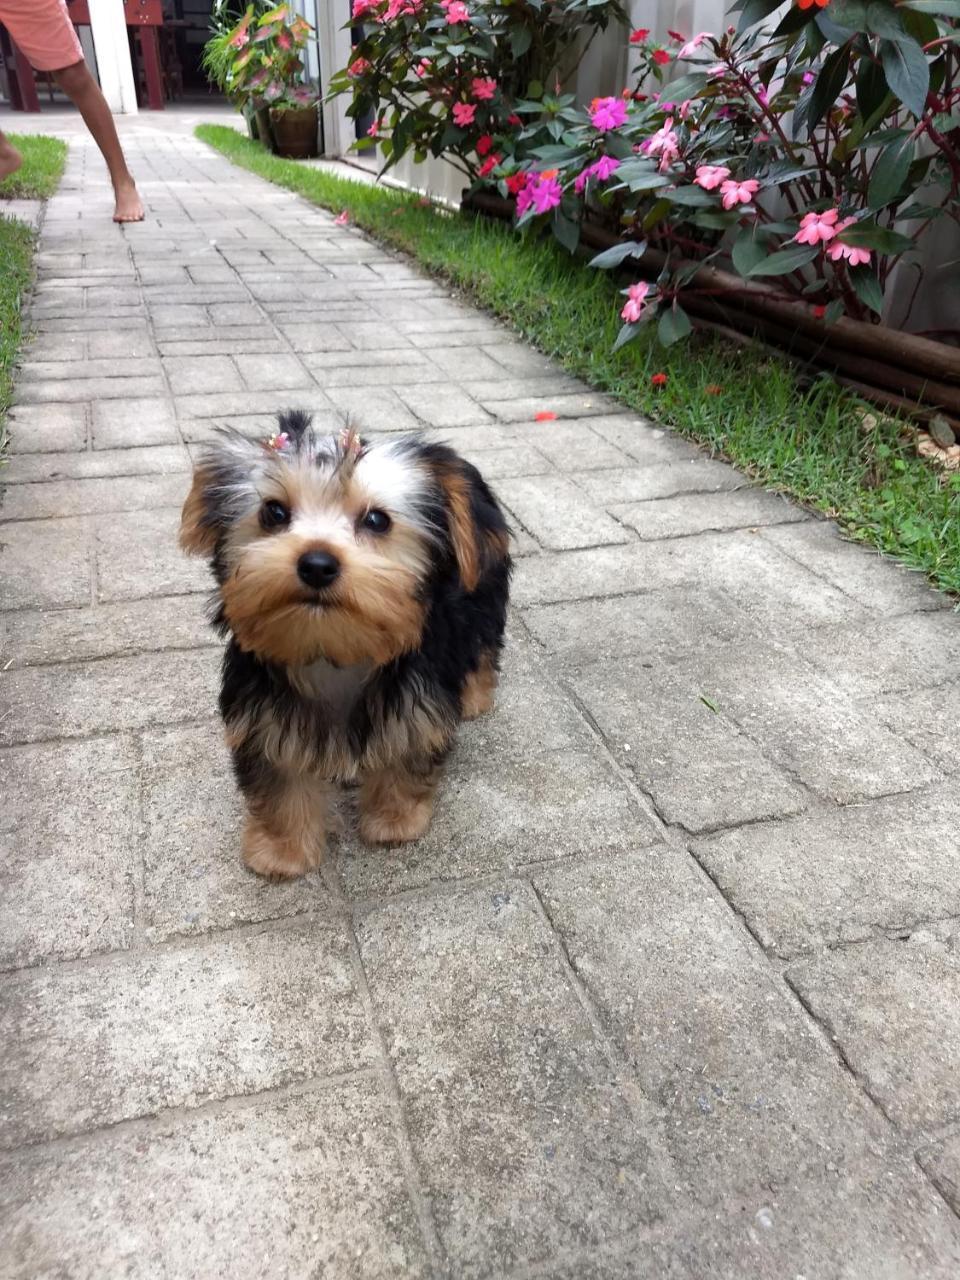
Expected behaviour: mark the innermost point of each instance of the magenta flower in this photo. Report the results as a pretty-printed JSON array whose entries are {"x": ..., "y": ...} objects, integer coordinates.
[
  {"x": 607, "y": 113},
  {"x": 817, "y": 227},
  {"x": 808, "y": 77},
  {"x": 636, "y": 297},
  {"x": 709, "y": 176},
  {"x": 457, "y": 12},
  {"x": 600, "y": 169},
  {"x": 483, "y": 88},
  {"x": 693, "y": 45},
  {"x": 542, "y": 193},
  {"x": 735, "y": 193},
  {"x": 463, "y": 113},
  {"x": 854, "y": 254}
]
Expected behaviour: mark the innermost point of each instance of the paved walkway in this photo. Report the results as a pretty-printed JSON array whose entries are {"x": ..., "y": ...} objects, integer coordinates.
[{"x": 671, "y": 989}]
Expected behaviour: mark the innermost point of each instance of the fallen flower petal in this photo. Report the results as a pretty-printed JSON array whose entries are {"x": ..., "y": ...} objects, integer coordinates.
[
  {"x": 544, "y": 416},
  {"x": 659, "y": 380},
  {"x": 341, "y": 219}
]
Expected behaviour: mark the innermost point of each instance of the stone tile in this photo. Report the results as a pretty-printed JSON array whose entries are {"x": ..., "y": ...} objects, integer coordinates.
[
  {"x": 310, "y": 1184},
  {"x": 369, "y": 335},
  {"x": 524, "y": 408},
  {"x": 498, "y": 464},
  {"x": 310, "y": 336},
  {"x": 877, "y": 581},
  {"x": 508, "y": 1183},
  {"x": 75, "y": 699},
  {"x": 643, "y": 441},
  {"x": 178, "y": 316},
  {"x": 90, "y": 1046},
  {"x": 260, "y": 372},
  {"x": 49, "y": 428},
  {"x": 374, "y": 409},
  {"x": 71, "y": 635},
  {"x": 929, "y": 720},
  {"x": 32, "y": 468},
  {"x": 373, "y": 374},
  {"x": 599, "y": 571},
  {"x": 442, "y": 406},
  {"x": 138, "y": 555},
  {"x": 891, "y": 1006},
  {"x": 699, "y": 768},
  {"x": 572, "y": 446},
  {"x": 194, "y": 879},
  {"x": 44, "y": 563},
  {"x": 50, "y": 370},
  {"x": 455, "y": 360},
  {"x": 327, "y": 362},
  {"x": 68, "y": 838},
  {"x": 888, "y": 655},
  {"x": 685, "y": 514},
  {"x": 516, "y": 357},
  {"x": 241, "y": 404},
  {"x": 557, "y": 514},
  {"x": 88, "y": 497},
  {"x": 942, "y": 1163},
  {"x": 639, "y": 484},
  {"x": 480, "y": 439},
  {"x": 123, "y": 424},
  {"x": 108, "y": 344},
  {"x": 63, "y": 391},
  {"x": 188, "y": 374},
  {"x": 843, "y": 875},
  {"x": 705, "y": 1026}
]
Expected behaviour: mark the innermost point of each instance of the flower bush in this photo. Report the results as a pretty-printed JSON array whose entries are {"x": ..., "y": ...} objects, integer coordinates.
[
  {"x": 257, "y": 59},
  {"x": 813, "y": 156}
]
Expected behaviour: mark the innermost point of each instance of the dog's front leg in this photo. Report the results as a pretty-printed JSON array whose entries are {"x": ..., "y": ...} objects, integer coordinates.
[
  {"x": 396, "y": 804},
  {"x": 287, "y": 823}
]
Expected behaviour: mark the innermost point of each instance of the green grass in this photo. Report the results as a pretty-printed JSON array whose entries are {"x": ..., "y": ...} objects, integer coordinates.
[
  {"x": 40, "y": 173},
  {"x": 810, "y": 440},
  {"x": 16, "y": 256}
]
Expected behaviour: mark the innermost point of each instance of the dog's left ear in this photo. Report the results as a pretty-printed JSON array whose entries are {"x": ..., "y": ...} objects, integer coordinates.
[{"x": 479, "y": 535}]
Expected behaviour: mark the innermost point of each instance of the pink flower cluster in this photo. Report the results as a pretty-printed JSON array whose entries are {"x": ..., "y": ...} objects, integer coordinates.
[
  {"x": 541, "y": 192},
  {"x": 636, "y": 298},
  {"x": 463, "y": 113},
  {"x": 709, "y": 176},
  {"x": 608, "y": 113},
  {"x": 663, "y": 143},
  {"x": 822, "y": 228},
  {"x": 733, "y": 193},
  {"x": 600, "y": 169},
  {"x": 359, "y": 67},
  {"x": 456, "y": 11},
  {"x": 483, "y": 88}
]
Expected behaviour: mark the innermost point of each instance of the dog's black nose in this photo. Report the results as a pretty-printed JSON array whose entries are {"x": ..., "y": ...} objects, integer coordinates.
[{"x": 318, "y": 568}]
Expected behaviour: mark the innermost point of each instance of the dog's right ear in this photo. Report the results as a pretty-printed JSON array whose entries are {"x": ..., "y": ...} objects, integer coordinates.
[{"x": 222, "y": 487}]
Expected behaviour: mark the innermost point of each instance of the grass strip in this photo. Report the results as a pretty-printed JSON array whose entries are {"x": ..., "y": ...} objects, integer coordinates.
[
  {"x": 16, "y": 272},
  {"x": 41, "y": 171},
  {"x": 814, "y": 440}
]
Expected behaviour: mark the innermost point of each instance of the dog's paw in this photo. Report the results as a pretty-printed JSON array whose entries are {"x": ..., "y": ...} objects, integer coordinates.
[
  {"x": 277, "y": 859},
  {"x": 396, "y": 826}
]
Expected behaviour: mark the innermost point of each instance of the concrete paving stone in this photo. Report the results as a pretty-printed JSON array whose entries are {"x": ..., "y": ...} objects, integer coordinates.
[
  {"x": 62, "y": 391},
  {"x": 123, "y": 424},
  {"x": 600, "y": 571},
  {"x": 84, "y": 497},
  {"x": 67, "y": 370},
  {"x": 644, "y": 441},
  {"x": 372, "y": 375},
  {"x": 571, "y": 446},
  {"x": 227, "y": 303},
  {"x": 55, "y": 346},
  {"x": 802, "y": 721},
  {"x": 33, "y": 468},
  {"x": 109, "y": 344},
  {"x": 877, "y": 581},
  {"x": 929, "y": 720},
  {"x": 199, "y": 431},
  {"x": 498, "y": 464},
  {"x": 48, "y": 428},
  {"x": 239, "y": 403},
  {"x": 557, "y": 514},
  {"x": 564, "y": 404},
  {"x": 517, "y": 358},
  {"x": 68, "y": 837},
  {"x": 888, "y": 655},
  {"x": 31, "y": 637},
  {"x": 455, "y": 361},
  {"x": 210, "y": 273},
  {"x": 841, "y": 876},
  {"x": 373, "y": 408},
  {"x": 138, "y": 555},
  {"x": 259, "y": 344},
  {"x": 72, "y": 700},
  {"x": 639, "y": 484},
  {"x": 261, "y": 372},
  {"x": 942, "y": 1163},
  {"x": 97, "y": 1044},
  {"x": 480, "y": 438},
  {"x": 108, "y": 298},
  {"x": 699, "y": 768},
  {"x": 194, "y": 880},
  {"x": 204, "y": 374},
  {"x": 44, "y": 563},
  {"x": 369, "y": 335},
  {"x": 752, "y": 1096},
  {"x": 891, "y": 1006},
  {"x": 522, "y": 542},
  {"x": 685, "y": 514},
  {"x": 178, "y": 316},
  {"x": 308, "y": 1184},
  {"x": 161, "y": 274},
  {"x": 307, "y": 336},
  {"x": 877, "y": 1219},
  {"x": 442, "y": 406},
  {"x": 426, "y": 334},
  {"x": 91, "y": 324},
  {"x": 525, "y": 1142}
]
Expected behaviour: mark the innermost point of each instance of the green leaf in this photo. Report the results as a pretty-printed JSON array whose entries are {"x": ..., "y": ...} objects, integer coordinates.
[
  {"x": 754, "y": 11},
  {"x": 696, "y": 197},
  {"x": 747, "y": 252},
  {"x": 939, "y": 8},
  {"x": 627, "y": 332},
  {"x": 851, "y": 15},
  {"x": 535, "y": 89},
  {"x": 829, "y": 86},
  {"x": 883, "y": 20},
  {"x": 833, "y": 312},
  {"x": 871, "y": 87},
  {"x": 785, "y": 260},
  {"x": 566, "y": 229},
  {"x": 618, "y": 253},
  {"x": 554, "y": 154},
  {"x": 889, "y": 173},
  {"x": 867, "y": 288},
  {"x": 867, "y": 235},
  {"x": 907, "y": 72},
  {"x": 648, "y": 182},
  {"x": 520, "y": 39},
  {"x": 673, "y": 325}
]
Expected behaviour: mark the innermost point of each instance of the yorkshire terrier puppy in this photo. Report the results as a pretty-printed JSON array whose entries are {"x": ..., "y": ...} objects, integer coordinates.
[{"x": 363, "y": 587}]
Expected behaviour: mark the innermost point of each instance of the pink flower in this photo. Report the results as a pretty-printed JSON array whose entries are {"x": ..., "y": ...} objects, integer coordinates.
[
  {"x": 735, "y": 193},
  {"x": 422, "y": 67},
  {"x": 808, "y": 77},
  {"x": 709, "y": 176},
  {"x": 489, "y": 165},
  {"x": 817, "y": 227},
  {"x": 374, "y": 130},
  {"x": 600, "y": 169},
  {"x": 854, "y": 254},
  {"x": 457, "y": 12},
  {"x": 341, "y": 219},
  {"x": 693, "y": 45},
  {"x": 607, "y": 113},
  {"x": 463, "y": 113},
  {"x": 360, "y": 7},
  {"x": 663, "y": 143},
  {"x": 542, "y": 192},
  {"x": 359, "y": 67},
  {"x": 633, "y": 307},
  {"x": 396, "y": 7},
  {"x": 483, "y": 88}
]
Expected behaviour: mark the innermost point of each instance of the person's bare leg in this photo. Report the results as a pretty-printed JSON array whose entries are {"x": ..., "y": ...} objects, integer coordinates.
[
  {"x": 79, "y": 85},
  {"x": 10, "y": 157}
]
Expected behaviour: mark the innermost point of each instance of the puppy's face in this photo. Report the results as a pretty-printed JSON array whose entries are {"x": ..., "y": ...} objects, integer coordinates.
[{"x": 322, "y": 545}]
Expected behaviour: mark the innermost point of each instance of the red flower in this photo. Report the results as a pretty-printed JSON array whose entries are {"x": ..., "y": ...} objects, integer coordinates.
[
  {"x": 544, "y": 416},
  {"x": 484, "y": 143},
  {"x": 675, "y": 35},
  {"x": 819, "y": 312},
  {"x": 659, "y": 380},
  {"x": 489, "y": 165},
  {"x": 661, "y": 57},
  {"x": 713, "y": 389},
  {"x": 638, "y": 36},
  {"x": 516, "y": 182},
  {"x": 514, "y": 120},
  {"x": 808, "y": 4}
]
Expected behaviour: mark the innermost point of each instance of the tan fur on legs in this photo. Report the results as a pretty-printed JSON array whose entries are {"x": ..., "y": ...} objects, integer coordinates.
[
  {"x": 479, "y": 690},
  {"x": 396, "y": 806},
  {"x": 285, "y": 834}
]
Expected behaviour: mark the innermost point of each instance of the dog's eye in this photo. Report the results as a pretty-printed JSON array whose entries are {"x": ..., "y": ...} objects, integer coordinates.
[
  {"x": 376, "y": 521},
  {"x": 274, "y": 514}
]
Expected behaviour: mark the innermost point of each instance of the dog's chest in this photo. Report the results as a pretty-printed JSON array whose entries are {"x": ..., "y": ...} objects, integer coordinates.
[{"x": 336, "y": 689}]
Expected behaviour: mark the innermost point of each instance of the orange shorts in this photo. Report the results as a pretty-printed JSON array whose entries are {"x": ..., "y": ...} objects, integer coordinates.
[{"x": 44, "y": 32}]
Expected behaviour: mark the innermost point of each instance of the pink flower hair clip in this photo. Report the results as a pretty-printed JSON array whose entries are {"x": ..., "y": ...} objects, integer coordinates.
[{"x": 278, "y": 441}]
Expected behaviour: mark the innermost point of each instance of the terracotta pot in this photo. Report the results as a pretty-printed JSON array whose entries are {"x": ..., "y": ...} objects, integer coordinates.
[{"x": 294, "y": 131}]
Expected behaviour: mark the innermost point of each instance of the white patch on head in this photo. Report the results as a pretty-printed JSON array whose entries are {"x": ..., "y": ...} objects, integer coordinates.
[{"x": 392, "y": 480}]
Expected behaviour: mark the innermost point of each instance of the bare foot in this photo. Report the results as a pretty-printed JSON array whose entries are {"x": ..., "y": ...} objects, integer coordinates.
[
  {"x": 10, "y": 158},
  {"x": 129, "y": 207}
]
